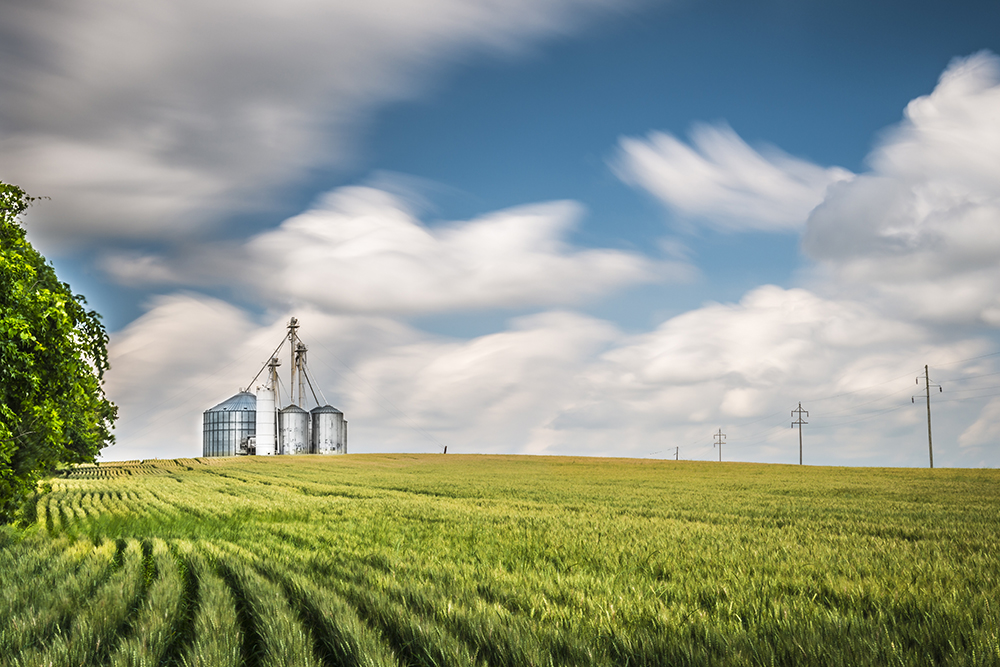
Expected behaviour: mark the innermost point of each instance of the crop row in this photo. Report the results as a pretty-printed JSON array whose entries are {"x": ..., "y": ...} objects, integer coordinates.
[
  {"x": 385, "y": 561},
  {"x": 152, "y": 603},
  {"x": 129, "y": 468}
]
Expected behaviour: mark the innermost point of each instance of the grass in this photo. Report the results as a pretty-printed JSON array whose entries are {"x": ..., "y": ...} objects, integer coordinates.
[{"x": 385, "y": 560}]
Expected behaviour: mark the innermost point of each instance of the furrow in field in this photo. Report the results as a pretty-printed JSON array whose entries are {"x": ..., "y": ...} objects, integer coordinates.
[
  {"x": 50, "y": 602},
  {"x": 68, "y": 515},
  {"x": 147, "y": 504},
  {"x": 495, "y": 634},
  {"x": 53, "y": 510},
  {"x": 417, "y": 640},
  {"x": 22, "y": 563},
  {"x": 87, "y": 505},
  {"x": 97, "y": 507},
  {"x": 117, "y": 503},
  {"x": 42, "y": 513},
  {"x": 342, "y": 639},
  {"x": 93, "y": 626},
  {"x": 489, "y": 630},
  {"x": 179, "y": 509},
  {"x": 183, "y": 630},
  {"x": 79, "y": 511},
  {"x": 150, "y": 632},
  {"x": 273, "y": 636},
  {"x": 414, "y": 635},
  {"x": 215, "y": 636}
]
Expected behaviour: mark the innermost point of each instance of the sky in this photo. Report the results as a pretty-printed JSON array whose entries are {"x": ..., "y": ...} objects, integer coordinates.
[{"x": 573, "y": 227}]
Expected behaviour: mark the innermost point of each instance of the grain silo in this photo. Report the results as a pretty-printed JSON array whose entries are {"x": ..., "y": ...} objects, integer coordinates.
[
  {"x": 293, "y": 427},
  {"x": 266, "y": 439},
  {"x": 229, "y": 425},
  {"x": 254, "y": 424},
  {"x": 329, "y": 431}
]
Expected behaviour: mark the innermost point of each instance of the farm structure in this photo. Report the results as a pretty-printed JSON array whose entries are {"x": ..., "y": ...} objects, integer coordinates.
[{"x": 253, "y": 423}]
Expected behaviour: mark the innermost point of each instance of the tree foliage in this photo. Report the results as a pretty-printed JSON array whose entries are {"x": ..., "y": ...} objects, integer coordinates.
[{"x": 53, "y": 354}]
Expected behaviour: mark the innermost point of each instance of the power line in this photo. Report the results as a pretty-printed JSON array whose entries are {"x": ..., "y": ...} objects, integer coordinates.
[
  {"x": 973, "y": 389},
  {"x": 982, "y": 356},
  {"x": 874, "y": 400},
  {"x": 773, "y": 429},
  {"x": 967, "y": 398},
  {"x": 871, "y": 415},
  {"x": 971, "y": 377},
  {"x": 855, "y": 391}
]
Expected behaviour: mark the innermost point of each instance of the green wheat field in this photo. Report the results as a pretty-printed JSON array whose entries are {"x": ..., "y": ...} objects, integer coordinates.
[{"x": 502, "y": 560}]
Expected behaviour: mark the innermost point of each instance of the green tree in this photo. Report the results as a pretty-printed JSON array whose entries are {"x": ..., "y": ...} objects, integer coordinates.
[{"x": 53, "y": 354}]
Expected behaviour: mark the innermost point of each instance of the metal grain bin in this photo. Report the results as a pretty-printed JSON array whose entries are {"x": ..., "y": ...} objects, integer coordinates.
[
  {"x": 293, "y": 425},
  {"x": 228, "y": 424},
  {"x": 328, "y": 431}
]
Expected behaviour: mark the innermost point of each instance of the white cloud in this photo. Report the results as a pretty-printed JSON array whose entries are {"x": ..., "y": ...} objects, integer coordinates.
[
  {"x": 563, "y": 383},
  {"x": 484, "y": 394},
  {"x": 149, "y": 119},
  {"x": 766, "y": 340},
  {"x": 723, "y": 182},
  {"x": 361, "y": 250},
  {"x": 920, "y": 233},
  {"x": 985, "y": 431}
]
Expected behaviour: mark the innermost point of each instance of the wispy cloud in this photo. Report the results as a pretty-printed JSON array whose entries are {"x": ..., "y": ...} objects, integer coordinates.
[{"x": 720, "y": 181}]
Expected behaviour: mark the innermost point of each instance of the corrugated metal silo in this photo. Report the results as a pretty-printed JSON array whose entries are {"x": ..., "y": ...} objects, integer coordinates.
[
  {"x": 293, "y": 423},
  {"x": 328, "y": 430},
  {"x": 266, "y": 417},
  {"x": 229, "y": 423}
]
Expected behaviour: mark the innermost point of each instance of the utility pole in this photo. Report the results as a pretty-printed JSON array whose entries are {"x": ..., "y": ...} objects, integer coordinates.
[
  {"x": 799, "y": 422},
  {"x": 927, "y": 386},
  {"x": 677, "y": 453},
  {"x": 720, "y": 437}
]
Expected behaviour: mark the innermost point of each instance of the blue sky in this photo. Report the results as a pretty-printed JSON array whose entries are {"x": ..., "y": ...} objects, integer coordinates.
[{"x": 504, "y": 227}]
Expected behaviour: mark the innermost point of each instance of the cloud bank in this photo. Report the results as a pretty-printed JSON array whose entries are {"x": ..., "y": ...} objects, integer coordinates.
[
  {"x": 920, "y": 233},
  {"x": 150, "y": 120},
  {"x": 563, "y": 383},
  {"x": 361, "y": 249}
]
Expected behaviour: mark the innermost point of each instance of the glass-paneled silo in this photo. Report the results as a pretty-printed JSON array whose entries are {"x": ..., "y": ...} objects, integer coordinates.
[{"x": 228, "y": 424}]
